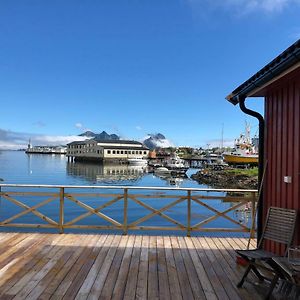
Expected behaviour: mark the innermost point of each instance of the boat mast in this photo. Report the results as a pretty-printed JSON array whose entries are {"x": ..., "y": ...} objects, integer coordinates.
[
  {"x": 222, "y": 137},
  {"x": 29, "y": 144}
]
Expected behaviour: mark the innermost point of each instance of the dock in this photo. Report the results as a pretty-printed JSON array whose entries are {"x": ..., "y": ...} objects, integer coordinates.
[{"x": 109, "y": 266}]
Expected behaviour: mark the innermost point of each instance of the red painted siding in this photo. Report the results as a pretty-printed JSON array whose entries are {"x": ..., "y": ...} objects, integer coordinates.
[{"x": 282, "y": 147}]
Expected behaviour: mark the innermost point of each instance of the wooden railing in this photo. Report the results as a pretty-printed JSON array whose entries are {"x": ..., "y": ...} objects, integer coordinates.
[{"x": 124, "y": 208}]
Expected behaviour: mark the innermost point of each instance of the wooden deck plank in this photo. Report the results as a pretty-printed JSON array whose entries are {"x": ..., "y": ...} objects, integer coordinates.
[
  {"x": 191, "y": 271},
  {"x": 56, "y": 281},
  {"x": 163, "y": 282},
  {"x": 225, "y": 262},
  {"x": 200, "y": 269},
  {"x": 237, "y": 243},
  {"x": 113, "y": 272},
  {"x": 14, "y": 254},
  {"x": 5, "y": 236},
  {"x": 13, "y": 286},
  {"x": 226, "y": 282},
  {"x": 85, "y": 288},
  {"x": 230, "y": 259},
  {"x": 103, "y": 272},
  {"x": 57, "y": 263},
  {"x": 119, "y": 289},
  {"x": 186, "y": 290},
  {"x": 98, "y": 266},
  {"x": 54, "y": 256},
  {"x": 175, "y": 291},
  {"x": 9, "y": 247},
  {"x": 153, "y": 292},
  {"x": 67, "y": 281},
  {"x": 142, "y": 280},
  {"x": 79, "y": 280},
  {"x": 131, "y": 284},
  {"x": 11, "y": 273},
  {"x": 211, "y": 273}
]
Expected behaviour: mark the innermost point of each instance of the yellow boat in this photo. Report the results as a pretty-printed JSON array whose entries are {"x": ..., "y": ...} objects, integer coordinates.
[
  {"x": 244, "y": 151},
  {"x": 231, "y": 158}
]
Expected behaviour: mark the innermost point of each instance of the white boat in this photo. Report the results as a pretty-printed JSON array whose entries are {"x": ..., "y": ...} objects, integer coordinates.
[
  {"x": 137, "y": 161},
  {"x": 162, "y": 171},
  {"x": 176, "y": 165}
]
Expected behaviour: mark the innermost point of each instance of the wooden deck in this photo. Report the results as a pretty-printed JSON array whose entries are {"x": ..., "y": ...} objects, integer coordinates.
[{"x": 90, "y": 266}]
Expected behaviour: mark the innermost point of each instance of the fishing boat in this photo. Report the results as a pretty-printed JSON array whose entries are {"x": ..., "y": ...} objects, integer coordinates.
[
  {"x": 238, "y": 158},
  {"x": 244, "y": 152}
]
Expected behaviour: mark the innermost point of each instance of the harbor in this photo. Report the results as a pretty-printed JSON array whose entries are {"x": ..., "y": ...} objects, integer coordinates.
[
  {"x": 90, "y": 177},
  {"x": 150, "y": 150}
]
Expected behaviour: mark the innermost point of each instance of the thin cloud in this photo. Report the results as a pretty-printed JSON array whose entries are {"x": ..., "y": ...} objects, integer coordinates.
[
  {"x": 10, "y": 140},
  {"x": 39, "y": 124},
  {"x": 78, "y": 125},
  {"x": 243, "y": 7},
  {"x": 217, "y": 143},
  {"x": 138, "y": 127}
]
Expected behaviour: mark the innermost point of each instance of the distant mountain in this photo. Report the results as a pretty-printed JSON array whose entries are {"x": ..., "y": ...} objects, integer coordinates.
[
  {"x": 88, "y": 134},
  {"x": 157, "y": 141},
  {"x": 100, "y": 136}
]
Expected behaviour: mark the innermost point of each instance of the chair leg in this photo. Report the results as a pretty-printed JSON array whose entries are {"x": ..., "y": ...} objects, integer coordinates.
[
  {"x": 245, "y": 275},
  {"x": 272, "y": 286},
  {"x": 258, "y": 274}
]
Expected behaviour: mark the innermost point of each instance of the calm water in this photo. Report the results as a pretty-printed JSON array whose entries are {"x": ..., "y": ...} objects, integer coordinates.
[{"x": 16, "y": 167}]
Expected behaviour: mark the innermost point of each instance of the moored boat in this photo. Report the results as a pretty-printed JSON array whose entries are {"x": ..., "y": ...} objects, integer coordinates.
[
  {"x": 162, "y": 171},
  {"x": 244, "y": 152},
  {"x": 176, "y": 165},
  {"x": 234, "y": 158}
]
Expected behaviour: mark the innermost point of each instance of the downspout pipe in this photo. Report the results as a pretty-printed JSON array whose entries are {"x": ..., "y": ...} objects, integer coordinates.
[{"x": 261, "y": 123}]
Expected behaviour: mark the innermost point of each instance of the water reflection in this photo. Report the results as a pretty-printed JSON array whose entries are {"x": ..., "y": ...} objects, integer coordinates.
[
  {"x": 103, "y": 172},
  {"x": 176, "y": 181}
]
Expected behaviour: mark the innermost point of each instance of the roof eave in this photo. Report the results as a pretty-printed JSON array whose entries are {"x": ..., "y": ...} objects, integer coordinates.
[{"x": 283, "y": 62}]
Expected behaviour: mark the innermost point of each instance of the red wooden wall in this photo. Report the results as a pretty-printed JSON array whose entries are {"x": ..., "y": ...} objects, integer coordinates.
[{"x": 282, "y": 147}]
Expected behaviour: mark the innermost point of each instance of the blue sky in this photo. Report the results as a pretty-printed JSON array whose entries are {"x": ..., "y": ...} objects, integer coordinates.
[{"x": 134, "y": 67}]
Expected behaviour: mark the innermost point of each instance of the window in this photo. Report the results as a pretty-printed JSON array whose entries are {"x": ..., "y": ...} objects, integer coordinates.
[
  {"x": 108, "y": 151},
  {"x": 114, "y": 151},
  {"x": 122, "y": 152},
  {"x": 145, "y": 152},
  {"x": 125, "y": 151},
  {"x": 140, "y": 152},
  {"x": 118, "y": 152}
]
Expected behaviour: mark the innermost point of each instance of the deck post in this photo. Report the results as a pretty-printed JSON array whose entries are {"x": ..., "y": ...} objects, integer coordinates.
[
  {"x": 61, "y": 209},
  {"x": 125, "y": 211},
  {"x": 253, "y": 215},
  {"x": 189, "y": 213}
]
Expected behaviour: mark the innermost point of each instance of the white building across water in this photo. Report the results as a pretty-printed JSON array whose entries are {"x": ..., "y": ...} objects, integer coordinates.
[{"x": 106, "y": 150}]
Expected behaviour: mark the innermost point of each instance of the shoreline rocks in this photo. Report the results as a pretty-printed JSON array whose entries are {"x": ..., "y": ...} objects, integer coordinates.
[{"x": 225, "y": 179}]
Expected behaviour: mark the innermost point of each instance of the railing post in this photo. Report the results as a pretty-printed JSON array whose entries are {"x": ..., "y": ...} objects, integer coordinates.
[
  {"x": 189, "y": 213},
  {"x": 253, "y": 215},
  {"x": 125, "y": 211},
  {"x": 61, "y": 209}
]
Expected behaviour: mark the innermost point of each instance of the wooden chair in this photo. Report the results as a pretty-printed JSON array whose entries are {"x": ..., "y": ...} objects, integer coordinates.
[
  {"x": 279, "y": 227},
  {"x": 286, "y": 290}
]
